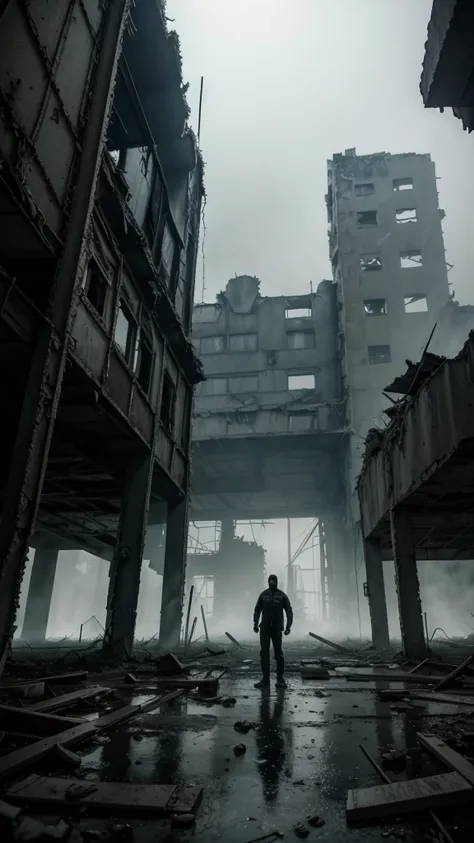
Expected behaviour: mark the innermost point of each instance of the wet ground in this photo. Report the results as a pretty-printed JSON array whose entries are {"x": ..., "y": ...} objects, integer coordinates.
[{"x": 301, "y": 757}]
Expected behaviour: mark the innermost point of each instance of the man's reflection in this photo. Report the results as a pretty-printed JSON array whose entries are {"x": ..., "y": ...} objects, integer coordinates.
[{"x": 270, "y": 746}]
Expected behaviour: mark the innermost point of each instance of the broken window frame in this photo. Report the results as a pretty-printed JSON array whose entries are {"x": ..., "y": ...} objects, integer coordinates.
[
  {"x": 370, "y": 263},
  {"x": 213, "y": 338},
  {"x": 131, "y": 340},
  {"x": 251, "y": 338},
  {"x": 298, "y": 313},
  {"x": 313, "y": 419},
  {"x": 95, "y": 270},
  {"x": 358, "y": 191},
  {"x": 168, "y": 403},
  {"x": 374, "y": 304},
  {"x": 413, "y": 299},
  {"x": 405, "y": 220},
  {"x": 360, "y": 215},
  {"x": 293, "y": 388},
  {"x": 375, "y": 353},
  {"x": 401, "y": 185},
  {"x": 411, "y": 255},
  {"x": 309, "y": 340}
]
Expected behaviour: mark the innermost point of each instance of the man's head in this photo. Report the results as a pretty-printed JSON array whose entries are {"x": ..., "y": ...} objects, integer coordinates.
[{"x": 273, "y": 582}]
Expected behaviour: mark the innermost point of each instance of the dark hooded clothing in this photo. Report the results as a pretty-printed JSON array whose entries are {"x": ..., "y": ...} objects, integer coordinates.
[{"x": 270, "y": 606}]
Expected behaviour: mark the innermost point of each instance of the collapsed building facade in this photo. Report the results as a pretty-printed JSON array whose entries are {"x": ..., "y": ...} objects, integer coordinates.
[
  {"x": 100, "y": 192},
  {"x": 447, "y": 79}
]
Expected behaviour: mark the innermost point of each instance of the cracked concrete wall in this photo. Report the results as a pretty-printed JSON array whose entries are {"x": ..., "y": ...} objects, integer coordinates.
[{"x": 247, "y": 391}]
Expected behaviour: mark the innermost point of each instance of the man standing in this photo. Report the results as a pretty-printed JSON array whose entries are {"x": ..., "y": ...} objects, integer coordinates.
[{"x": 270, "y": 605}]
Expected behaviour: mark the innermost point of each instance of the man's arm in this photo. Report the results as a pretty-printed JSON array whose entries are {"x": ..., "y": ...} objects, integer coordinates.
[
  {"x": 289, "y": 612},
  {"x": 257, "y": 611}
]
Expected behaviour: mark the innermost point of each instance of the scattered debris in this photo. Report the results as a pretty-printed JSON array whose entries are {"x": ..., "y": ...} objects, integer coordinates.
[
  {"x": 234, "y": 640},
  {"x": 227, "y": 702},
  {"x": 240, "y": 749},
  {"x": 182, "y": 820},
  {"x": 451, "y": 677},
  {"x": 301, "y": 830},
  {"x": 243, "y": 726},
  {"x": 314, "y": 673},
  {"x": 395, "y": 760},
  {"x": 316, "y": 821},
  {"x": 66, "y": 756},
  {"x": 332, "y": 644}
]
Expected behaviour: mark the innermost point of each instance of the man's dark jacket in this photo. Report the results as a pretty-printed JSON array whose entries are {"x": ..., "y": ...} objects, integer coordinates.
[{"x": 270, "y": 605}]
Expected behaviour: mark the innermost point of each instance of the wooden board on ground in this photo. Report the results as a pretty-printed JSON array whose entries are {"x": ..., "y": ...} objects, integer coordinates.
[
  {"x": 448, "y": 756},
  {"x": 314, "y": 672},
  {"x": 409, "y": 796},
  {"x": 335, "y": 646},
  {"x": 391, "y": 676},
  {"x": 433, "y": 696},
  {"x": 19, "y": 759},
  {"x": 63, "y": 794},
  {"x": 61, "y": 679},
  {"x": 68, "y": 699},
  {"x": 34, "y": 722},
  {"x": 447, "y": 680}
]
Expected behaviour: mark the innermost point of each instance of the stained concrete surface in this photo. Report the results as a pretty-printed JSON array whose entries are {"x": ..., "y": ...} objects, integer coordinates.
[{"x": 301, "y": 757}]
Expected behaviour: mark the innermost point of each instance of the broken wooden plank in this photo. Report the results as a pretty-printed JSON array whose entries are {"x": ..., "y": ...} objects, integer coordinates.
[
  {"x": 15, "y": 761},
  {"x": 159, "y": 701},
  {"x": 390, "y": 676},
  {"x": 61, "y": 679},
  {"x": 447, "y": 680},
  {"x": 332, "y": 644},
  {"x": 25, "y": 720},
  {"x": 64, "y": 794},
  {"x": 408, "y": 796},
  {"x": 67, "y": 756},
  {"x": 234, "y": 640},
  {"x": 417, "y": 666},
  {"x": 448, "y": 756},
  {"x": 67, "y": 699},
  {"x": 315, "y": 672},
  {"x": 432, "y": 696}
]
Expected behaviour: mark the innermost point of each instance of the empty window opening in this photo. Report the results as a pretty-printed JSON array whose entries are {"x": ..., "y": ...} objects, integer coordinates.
[
  {"x": 303, "y": 421},
  {"x": 416, "y": 304},
  {"x": 242, "y": 342},
  {"x": 125, "y": 331},
  {"x": 208, "y": 345},
  {"x": 375, "y": 307},
  {"x": 206, "y": 313},
  {"x": 366, "y": 219},
  {"x": 145, "y": 363},
  {"x": 167, "y": 408},
  {"x": 405, "y": 215},
  {"x": 370, "y": 263},
  {"x": 300, "y": 339},
  {"x": 301, "y": 381},
  {"x": 410, "y": 259},
  {"x": 96, "y": 288},
  {"x": 297, "y": 312},
  {"x": 365, "y": 189},
  {"x": 243, "y": 383},
  {"x": 403, "y": 184},
  {"x": 379, "y": 354}
]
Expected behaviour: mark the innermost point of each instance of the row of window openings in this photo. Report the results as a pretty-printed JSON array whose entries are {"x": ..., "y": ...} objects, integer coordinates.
[
  {"x": 296, "y": 421},
  {"x": 412, "y": 304},
  {"x": 210, "y": 313},
  {"x": 369, "y": 219},
  {"x": 249, "y": 342},
  {"x": 408, "y": 260},
  {"x": 249, "y": 383},
  {"x": 368, "y": 188}
]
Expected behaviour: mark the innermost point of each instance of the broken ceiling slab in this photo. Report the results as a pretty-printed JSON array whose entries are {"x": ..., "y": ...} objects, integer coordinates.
[{"x": 416, "y": 374}]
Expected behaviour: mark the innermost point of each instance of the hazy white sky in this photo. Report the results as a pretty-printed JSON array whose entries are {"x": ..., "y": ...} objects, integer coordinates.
[{"x": 286, "y": 85}]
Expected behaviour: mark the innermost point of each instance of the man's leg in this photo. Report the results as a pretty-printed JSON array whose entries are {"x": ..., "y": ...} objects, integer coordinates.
[
  {"x": 277, "y": 648},
  {"x": 264, "y": 657}
]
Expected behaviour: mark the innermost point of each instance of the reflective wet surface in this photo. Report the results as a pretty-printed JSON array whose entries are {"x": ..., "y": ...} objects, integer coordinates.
[{"x": 302, "y": 754}]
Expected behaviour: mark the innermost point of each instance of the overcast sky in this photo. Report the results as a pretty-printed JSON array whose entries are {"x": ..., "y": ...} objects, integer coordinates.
[{"x": 286, "y": 85}]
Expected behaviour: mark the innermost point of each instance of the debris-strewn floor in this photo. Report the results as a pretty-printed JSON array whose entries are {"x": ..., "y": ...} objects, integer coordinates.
[{"x": 301, "y": 753}]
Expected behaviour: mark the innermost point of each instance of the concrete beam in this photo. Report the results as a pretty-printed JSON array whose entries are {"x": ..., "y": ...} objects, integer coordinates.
[
  {"x": 126, "y": 564},
  {"x": 376, "y": 594},
  {"x": 40, "y": 591},
  {"x": 228, "y": 484},
  {"x": 408, "y": 586},
  {"x": 174, "y": 575}
]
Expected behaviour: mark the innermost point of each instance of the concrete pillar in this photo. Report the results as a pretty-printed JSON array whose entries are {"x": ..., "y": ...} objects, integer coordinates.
[
  {"x": 174, "y": 574},
  {"x": 126, "y": 564},
  {"x": 376, "y": 593},
  {"x": 408, "y": 587},
  {"x": 40, "y": 592}
]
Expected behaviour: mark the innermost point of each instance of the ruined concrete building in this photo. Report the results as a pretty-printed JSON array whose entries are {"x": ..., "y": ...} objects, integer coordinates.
[
  {"x": 269, "y": 420},
  {"x": 100, "y": 192},
  {"x": 387, "y": 254},
  {"x": 447, "y": 79}
]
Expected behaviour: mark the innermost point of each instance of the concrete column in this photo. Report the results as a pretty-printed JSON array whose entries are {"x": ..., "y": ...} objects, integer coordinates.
[
  {"x": 408, "y": 587},
  {"x": 126, "y": 564},
  {"x": 174, "y": 574},
  {"x": 39, "y": 593},
  {"x": 376, "y": 592}
]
